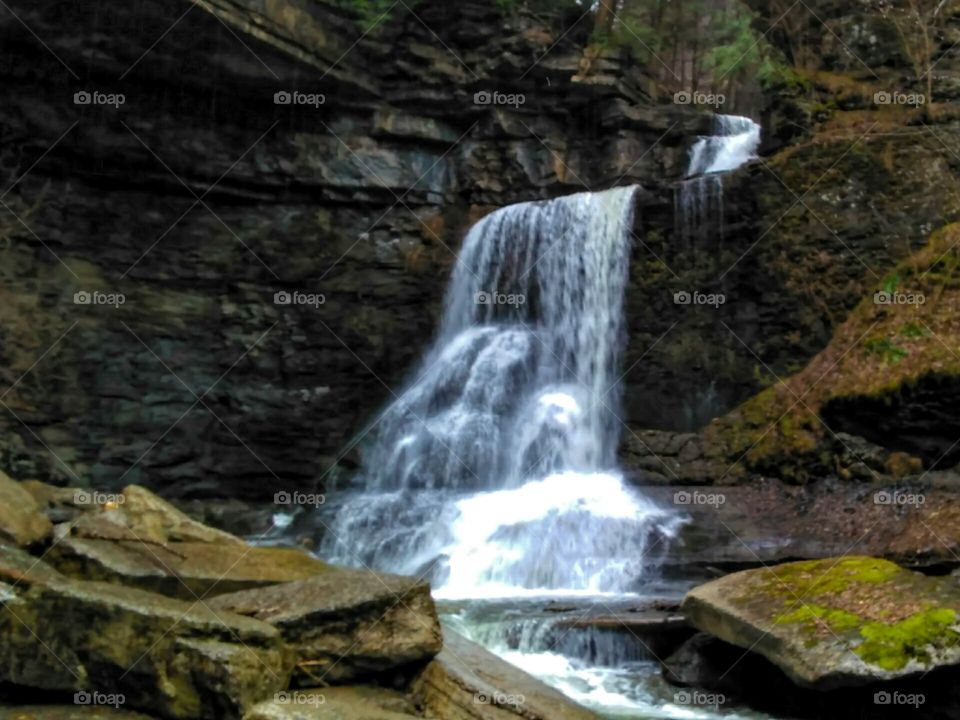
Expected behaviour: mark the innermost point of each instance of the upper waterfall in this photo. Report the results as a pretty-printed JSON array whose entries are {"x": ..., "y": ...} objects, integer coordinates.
[
  {"x": 496, "y": 464},
  {"x": 734, "y": 142},
  {"x": 699, "y": 198}
]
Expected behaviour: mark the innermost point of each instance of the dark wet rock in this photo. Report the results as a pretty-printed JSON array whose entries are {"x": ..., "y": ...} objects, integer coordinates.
[
  {"x": 183, "y": 569},
  {"x": 21, "y": 521},
  {"x": 466, "y": 682},
  {"x": 346, "y": 624},
  {"x": 171, "y": 658},
  {"x": 912, "y": 523},
  {"x": 655, "y": 633},
  {"x": 839, "y": 622},
  {"x": 706, "y": 667}
]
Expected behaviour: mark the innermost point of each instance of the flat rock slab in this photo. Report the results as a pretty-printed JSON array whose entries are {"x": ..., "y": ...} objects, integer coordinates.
[
  {"x": 467, "y": 682},
  {"x": 836, "y": 622},
  {"x": 21, "y": 520},
  {"x": 186, "y": 570},
  {"x": 336, "y": 703},
  {"x": 18, "y": 567},
  {"x": 172, "y": 658},
  {"x": 346, "y": 624},
  {"x": 136, "y": 514}
]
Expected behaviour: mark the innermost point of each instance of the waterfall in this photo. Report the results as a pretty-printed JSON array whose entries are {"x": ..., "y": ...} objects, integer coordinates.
[
  {"x": 494, "y": 472},
  {"x": 699, "y": 203}
]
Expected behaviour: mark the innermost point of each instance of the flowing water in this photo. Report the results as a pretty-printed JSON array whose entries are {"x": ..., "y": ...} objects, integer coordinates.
[
  {"x": 699, "y": 203},
  {"x": 494, "y": 473}
]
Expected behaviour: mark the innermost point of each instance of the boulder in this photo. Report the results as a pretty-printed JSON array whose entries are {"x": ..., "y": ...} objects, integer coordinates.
[
  {"x": 137, "y": 514},
  {"x": 173, "y": 658},
  {"x": 466, "y": 682},
  {"x": 336, "y": 703},
  {"x": 186, "y": 570},
  {"x": 838, "y": 622},
  {"x": 346, "y": 624},
  {"x": 21, "y": 521}
]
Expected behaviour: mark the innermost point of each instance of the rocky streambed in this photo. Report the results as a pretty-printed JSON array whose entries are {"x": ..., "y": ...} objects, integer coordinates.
[{"x": 123, "y": 606}]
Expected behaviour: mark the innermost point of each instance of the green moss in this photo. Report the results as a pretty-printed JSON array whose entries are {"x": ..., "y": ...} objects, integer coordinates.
[
  {"x": 812, "y": 579},
  {"x": 892, "y": 646},
  {"x": 815, "y": 615}
]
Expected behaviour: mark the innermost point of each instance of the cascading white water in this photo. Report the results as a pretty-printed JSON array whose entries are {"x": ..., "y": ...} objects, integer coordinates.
[
  {"x": 494, "y": 472},
  {"x": 700, "y": 197},
  {"x": 734, "y": 142}
]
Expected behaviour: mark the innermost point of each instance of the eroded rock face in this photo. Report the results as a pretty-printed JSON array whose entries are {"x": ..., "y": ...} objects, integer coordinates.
[
  {"x": 21, "y": 521},
  {"x": 346, "y": 624},
  {"x": 833, "y": 623},
  {"x": 466, "y": 682}
]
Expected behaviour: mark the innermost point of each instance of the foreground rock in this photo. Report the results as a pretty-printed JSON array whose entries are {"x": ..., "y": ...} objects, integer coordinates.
[
  {"x": 21, "y": 521},
  {"x": 466, "y": 682},
  {"x": 66, "y": 712},
  {"x": 340, "y": 703},
  {"x": 836, "y": 622},
  {"x": 175, "y": 659},
  {"x": 186, "y": 570},
  {"x": 138, "y": 514},
  {"x": 347, "y": 624}
]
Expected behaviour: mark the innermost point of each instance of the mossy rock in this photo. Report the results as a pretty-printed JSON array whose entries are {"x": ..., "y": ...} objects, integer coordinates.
[
  {"x": 836, "y": 622},
  {"x": 175, "y": 659}
]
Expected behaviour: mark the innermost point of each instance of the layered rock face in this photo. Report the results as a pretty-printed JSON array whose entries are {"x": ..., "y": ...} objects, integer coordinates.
[
  {"x": 204, "y": 194},
  {"x": 159, "y": 193}
]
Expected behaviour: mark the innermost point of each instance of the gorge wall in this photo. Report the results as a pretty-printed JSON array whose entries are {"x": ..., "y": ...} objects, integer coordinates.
[{"x": 199, "y": 198}]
